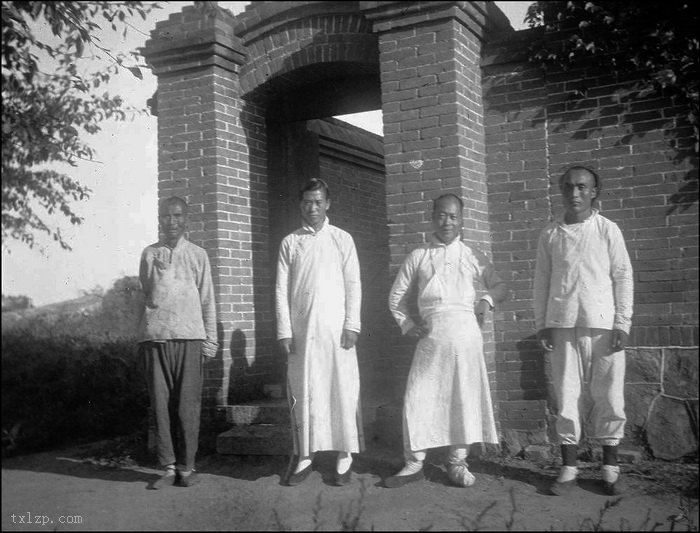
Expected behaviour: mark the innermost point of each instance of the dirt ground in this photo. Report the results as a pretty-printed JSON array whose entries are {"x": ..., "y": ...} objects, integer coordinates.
[{"x": 104, "y": 486}]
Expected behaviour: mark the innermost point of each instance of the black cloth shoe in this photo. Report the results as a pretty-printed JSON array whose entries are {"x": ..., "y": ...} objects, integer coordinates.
[
  {"x": 299, "y": 477},
  {"x": 394, "y": 482},
  {"x": 343, "y": 479},
  {"x": 188, "y": 481},
  {"x": 563, "y": 488},
  {"x": 615, "y": 489},
  {"x": 164, "y": 481}
]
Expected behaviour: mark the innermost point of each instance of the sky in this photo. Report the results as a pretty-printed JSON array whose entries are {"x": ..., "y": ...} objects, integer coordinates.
[{"x": 120, "y": 215}]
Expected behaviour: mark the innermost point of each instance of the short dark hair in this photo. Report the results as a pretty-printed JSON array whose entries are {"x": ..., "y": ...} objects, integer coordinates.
[
  {"x": 170, "y": 201},
  {"x": 592, "y": 172},
  {"x": 448, "y": 195},
  {"x": 315, "y": 184}
]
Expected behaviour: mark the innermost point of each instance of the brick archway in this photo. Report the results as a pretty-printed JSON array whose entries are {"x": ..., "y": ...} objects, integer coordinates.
[{"x": 224, "y": 82}]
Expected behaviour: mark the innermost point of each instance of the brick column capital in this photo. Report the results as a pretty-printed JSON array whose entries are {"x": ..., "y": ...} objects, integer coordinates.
[
  {"x": 198, "y": 37},
  {"x": 482, "y": 18}
]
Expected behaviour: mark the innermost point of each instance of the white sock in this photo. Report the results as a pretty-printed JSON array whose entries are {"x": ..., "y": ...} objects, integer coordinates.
[
  {"x": 567, "y": 473},
  {"x": 303, "y": 463},
  {"x": 170, "y": 470},
  {"x": 344, "y": 462},
  {"x": 411, "y": 467},
  {"x": 610, "y": 473}
]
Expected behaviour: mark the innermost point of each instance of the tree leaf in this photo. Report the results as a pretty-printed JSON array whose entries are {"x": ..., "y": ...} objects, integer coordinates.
[{"x": 136, "y": 72}]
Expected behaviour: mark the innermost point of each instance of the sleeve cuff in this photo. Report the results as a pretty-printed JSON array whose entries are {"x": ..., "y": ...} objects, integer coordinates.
[
  {"x": 406, "y": 326},
  {"x": 489, "y": 300}
]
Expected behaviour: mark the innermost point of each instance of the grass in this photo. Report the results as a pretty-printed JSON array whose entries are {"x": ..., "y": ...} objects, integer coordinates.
[{"x": 60, "y": 389}]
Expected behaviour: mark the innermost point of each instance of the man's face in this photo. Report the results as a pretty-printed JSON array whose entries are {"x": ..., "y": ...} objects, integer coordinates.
[
  {"x": 314, "y": 205},
  {"x": 173, "y": 221},
  {"x": 578, "y": 191},
  {"x": 447, "y": 220}
]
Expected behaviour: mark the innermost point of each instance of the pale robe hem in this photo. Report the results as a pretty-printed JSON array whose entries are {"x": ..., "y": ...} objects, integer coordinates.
[
  {"x": 461, "y": 413},
  {"x": 448, "y": 397},
  {"x": 318, "y": 293}
]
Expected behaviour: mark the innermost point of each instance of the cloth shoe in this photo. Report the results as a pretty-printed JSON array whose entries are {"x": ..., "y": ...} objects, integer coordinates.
[
  {"x": 563, "y": 488},
  {"x": 566, "y": 482},
  {"x": 168, "y": 479},
  {"x": 613, "y": 484},
  {"x": 189, "y": 480},
  {"x": 343, "y": 479},
  {"x": 396, "y": 481},
  {"x": 299, "y": 477},
  {"x": 459, "y": 474},
  {"x": 615, "y": 489}
]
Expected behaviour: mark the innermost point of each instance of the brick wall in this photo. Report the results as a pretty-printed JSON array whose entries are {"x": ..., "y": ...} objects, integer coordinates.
[
  {"x": 356, "y": 177},
  {"x": 234, "y": 97},
  {"x": 642, "y": 149},
  {"x": 212, "y": 152},
  {"x": 433, "y": 130}
]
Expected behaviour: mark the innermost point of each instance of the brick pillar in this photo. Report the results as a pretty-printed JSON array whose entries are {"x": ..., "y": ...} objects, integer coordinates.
[
  {"x": 429, "y": 55},
  {"x": 211, "y": 151}
]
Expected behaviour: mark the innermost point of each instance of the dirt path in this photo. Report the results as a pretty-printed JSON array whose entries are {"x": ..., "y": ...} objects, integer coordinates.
[{"x": 245, "y": 494}]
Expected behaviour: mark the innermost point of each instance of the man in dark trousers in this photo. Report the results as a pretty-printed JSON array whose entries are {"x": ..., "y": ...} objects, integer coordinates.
[{"x": 178, "y": 328}]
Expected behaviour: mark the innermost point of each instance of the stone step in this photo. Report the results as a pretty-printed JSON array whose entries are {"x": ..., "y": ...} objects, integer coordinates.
[{"x": 268, "y": 411}]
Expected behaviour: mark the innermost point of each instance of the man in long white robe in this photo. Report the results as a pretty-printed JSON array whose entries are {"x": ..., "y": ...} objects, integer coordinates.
[
  {"x": 447, "y": 400},
  {"x": 318, "y": 301}
]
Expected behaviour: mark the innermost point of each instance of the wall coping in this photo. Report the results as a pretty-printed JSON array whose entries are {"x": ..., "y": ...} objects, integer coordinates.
[
  {"x": 261, "y": 18},
  {"x": 174, "y": 48},
  {"x": 484, "y": 19}
]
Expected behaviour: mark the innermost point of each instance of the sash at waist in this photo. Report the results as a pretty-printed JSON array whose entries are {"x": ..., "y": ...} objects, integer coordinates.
[{"x": 449, "y": 319}]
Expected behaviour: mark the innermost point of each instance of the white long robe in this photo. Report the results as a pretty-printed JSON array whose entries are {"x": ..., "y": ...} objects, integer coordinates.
[
  {"x": 448, "y": 399},
  {"x": 318, "y": 295}
]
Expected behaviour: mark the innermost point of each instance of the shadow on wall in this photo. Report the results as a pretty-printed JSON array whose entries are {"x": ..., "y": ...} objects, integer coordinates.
[
  {"x": 599, "y": 106},
  {"x": 247, "y": 381}
]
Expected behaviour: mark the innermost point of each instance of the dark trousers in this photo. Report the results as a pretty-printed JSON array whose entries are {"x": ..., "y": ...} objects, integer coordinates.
[{"x": 174, "y": 377}]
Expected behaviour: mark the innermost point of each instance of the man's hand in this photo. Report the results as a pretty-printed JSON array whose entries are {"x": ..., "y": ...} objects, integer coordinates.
[
  {"x": 482, "y": 307},
  {"x": 348, "y": 339},
  {"x": 417, "y": 332},
  {"x": 619, "y": 340},
  {"x": 544, "y": 337},
  {"x": 286, "y": 346},
  {"x": 209, "y": 348}
]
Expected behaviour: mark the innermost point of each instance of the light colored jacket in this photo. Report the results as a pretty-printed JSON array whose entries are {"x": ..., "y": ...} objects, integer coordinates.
[
  {"x": 179, "y": 293},
  {"x": 583, "y": 276}
]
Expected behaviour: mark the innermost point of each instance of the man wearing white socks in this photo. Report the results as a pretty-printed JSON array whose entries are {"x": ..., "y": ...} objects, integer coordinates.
[
  {"x": 448, "y": 399},
  {"x": 583, "y": 294},
  {"x": 318, "y": 299}
]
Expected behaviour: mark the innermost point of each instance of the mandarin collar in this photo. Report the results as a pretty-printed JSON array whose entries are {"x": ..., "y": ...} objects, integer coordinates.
[
  {"x": 561, "y": 220},
  {"x": 177, "y": 244},
  {"x": 437, "y": 243},
  {"x": 310, "y": 229}
]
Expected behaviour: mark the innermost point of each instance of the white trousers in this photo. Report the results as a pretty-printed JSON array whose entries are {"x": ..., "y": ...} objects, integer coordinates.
[{"x": 583, "y": 363}]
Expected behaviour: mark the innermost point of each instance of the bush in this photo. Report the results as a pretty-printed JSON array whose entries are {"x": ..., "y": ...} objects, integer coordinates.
[{"x": 62, "y": 389}]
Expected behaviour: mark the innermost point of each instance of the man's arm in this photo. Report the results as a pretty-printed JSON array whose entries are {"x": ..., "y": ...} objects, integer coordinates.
[
  {"x": 208, "y": 303},
  {"x": 622, "y": 279},
  {"x": 623, "y": 288},
  {"x": 543, "y": 273},
  {"x": 144, "y": 275},
  {"x": 284, "y": 323},
  {"x": 398, "y": 298},
  {"x": 353, "y": 287},
  {"x": 497, "y": 293},
  {"x": 497, "y": 290},
  {"x": 353, "y": 294}
]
